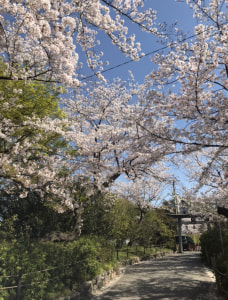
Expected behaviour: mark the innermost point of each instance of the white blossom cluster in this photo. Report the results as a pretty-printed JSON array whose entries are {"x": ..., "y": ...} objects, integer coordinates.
[
  {"x": 192, "y": 79},
  {"x": 145, "y": 191},
  {"x": 38, "y": 39},
  {"x": 118, "y": 128},
  {"x": 104, "y": 126},
  {"x": 25, "y": 166}
]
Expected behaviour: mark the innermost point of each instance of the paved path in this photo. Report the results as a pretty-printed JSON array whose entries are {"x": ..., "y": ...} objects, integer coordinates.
[{"x": 175, "y": 277}]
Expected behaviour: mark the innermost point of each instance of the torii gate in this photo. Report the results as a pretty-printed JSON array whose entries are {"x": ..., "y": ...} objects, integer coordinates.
[{"x": 179, "y": 218}]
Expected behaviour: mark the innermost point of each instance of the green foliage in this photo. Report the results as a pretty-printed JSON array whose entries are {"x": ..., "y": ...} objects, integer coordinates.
[
  {"x": 20, "y": 101},
  {"x": 18, "y": 258},
  {"x": 94, "y": 216},
  {"x": 154, "y": 229},
  {"x": 85, "y": 253},
  {"x": 138, "y": 251},
  {"x": 38, "y": 99},
  {"x": 213, "y": 241},
  {"x": 118, "y": 221},
  {"x": 122, "y": 219},
  {"x": 49, "y": 269},
  {"x": 31, "y": 217},
  {"x": 214, "y": 247},
  {"x": 196, "y": 238}
]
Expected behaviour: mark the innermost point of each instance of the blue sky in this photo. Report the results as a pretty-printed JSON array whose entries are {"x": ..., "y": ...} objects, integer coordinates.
[{"x": 168, "y": 11}]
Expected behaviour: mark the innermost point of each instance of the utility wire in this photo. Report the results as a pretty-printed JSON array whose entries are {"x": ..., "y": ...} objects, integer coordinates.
[{"x": 147, "y": 54}]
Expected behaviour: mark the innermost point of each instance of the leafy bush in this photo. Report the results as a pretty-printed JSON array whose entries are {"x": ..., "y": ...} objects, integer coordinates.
[
  {"x": 214, "y": 245},
  {"x": 50, "y": 269},
  {"x": 21, "y": 262},
  {"x": 214, "y": 242}
]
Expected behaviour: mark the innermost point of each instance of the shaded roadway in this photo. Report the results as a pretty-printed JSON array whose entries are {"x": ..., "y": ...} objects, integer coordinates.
[{"x": 179, "y": 276}]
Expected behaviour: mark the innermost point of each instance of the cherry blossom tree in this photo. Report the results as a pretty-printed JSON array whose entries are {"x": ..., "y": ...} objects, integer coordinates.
[
  {"x": 118, "y": 128},
  {"x": 209, "y": 170},
  {"x": 144, "y": 192},
  {"x": 193, "y": 76},
  {"x": 104, "y": 127},
  {"x": 189, "y": 88},
  {"x": 39, "y": 39},
  {"x": 32, "y": 146}
]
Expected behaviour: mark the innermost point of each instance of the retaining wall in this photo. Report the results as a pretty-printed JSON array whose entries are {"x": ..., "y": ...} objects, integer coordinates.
[{"x": 89, "y": 288}]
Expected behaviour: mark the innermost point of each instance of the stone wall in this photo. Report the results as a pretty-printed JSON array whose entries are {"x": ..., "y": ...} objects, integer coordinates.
[{"x": 89, "y": 288}]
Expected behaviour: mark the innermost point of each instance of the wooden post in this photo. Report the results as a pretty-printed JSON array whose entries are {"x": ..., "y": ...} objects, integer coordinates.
[
  {"x": 18, "y": 286},
  {"x": 117, "y": 254},
  {"x": 180, "y": 235}
]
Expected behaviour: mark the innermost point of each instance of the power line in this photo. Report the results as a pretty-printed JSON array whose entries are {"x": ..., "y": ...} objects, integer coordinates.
[
  {"x": 125, "y": 63},
  {"x": 147, "y": 54}
]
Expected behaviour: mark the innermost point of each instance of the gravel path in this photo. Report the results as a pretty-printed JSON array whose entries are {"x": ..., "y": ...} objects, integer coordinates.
[{"x": 176, "y": 277}]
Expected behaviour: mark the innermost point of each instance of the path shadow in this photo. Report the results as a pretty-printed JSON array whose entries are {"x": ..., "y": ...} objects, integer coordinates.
[{"x": 179, "y": 277}]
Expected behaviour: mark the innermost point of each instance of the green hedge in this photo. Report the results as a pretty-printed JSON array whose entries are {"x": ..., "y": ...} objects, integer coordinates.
[
  {"x": 48, "y": 270},
  {"x": 214, "y": 247}
]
